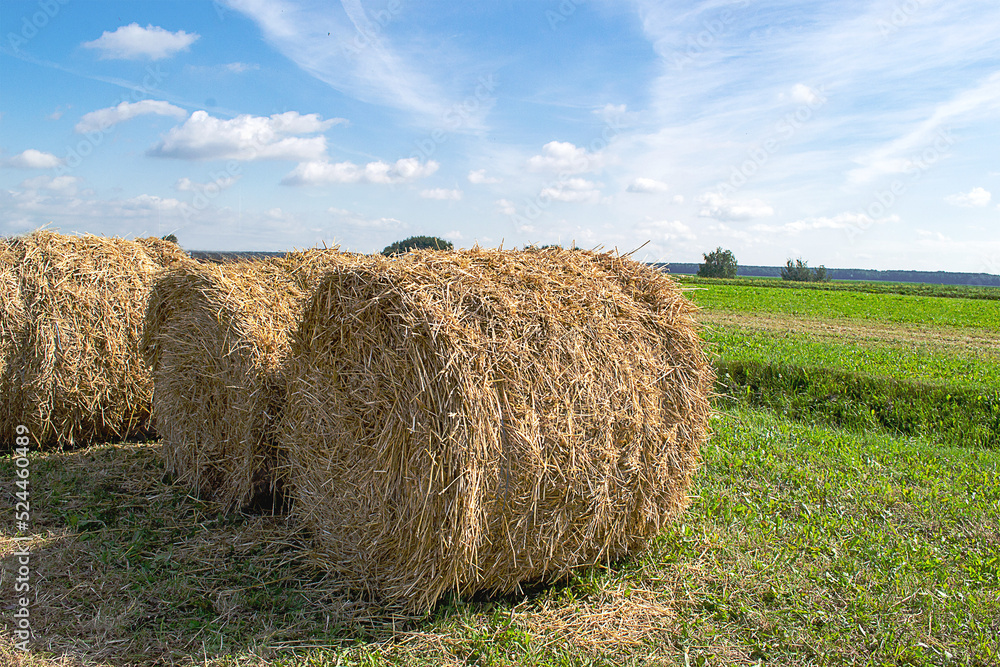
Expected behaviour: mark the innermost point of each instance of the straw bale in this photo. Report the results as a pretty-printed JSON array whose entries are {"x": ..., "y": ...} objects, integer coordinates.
[
  {"x": 11, "y": 328},
  {"x": 216, "y": 338},
  {"x": 76, "y": 374},
  {"x": 474, "y": 420}
]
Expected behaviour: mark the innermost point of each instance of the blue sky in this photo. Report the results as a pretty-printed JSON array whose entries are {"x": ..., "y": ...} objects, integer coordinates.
[{"x": 848, "y": 133}]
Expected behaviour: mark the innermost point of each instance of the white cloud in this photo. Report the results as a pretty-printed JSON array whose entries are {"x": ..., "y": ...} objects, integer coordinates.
[
  {"x": 61, "y": 184},
  {"x": 102, "y": 119},
  {"x": 240, "y": 68},
  {"x": 974, "y": 198},
  {"x": 506, "y": 206},
  {"x": 212, "y": 187},
  {"x": 341, "y": 45},
  {"x": 677, "y": 199},
  {"x": 479, "y": 177},
  {"x": 132, "y": 41},
  {"x": 352, "y": 219},
  {"x": 803, "y": 94},
  {"x": 204, "y": 137},
  {"x": 646, "y": 186},
  {"x": 719, "y": 207},
  {"x": 665, "y": 230},
  {"x": 849, "y": 220},
  {"x": 441, "y": 193},
  {"x": 34, "y": 159},
  {"x": 573, "y": 190},
  {"x": 327, "y": 173},
  {"x": 564, "y": 157}
]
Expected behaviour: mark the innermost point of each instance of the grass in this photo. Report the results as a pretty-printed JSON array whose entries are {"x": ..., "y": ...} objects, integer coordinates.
[
  {"x": 867, "y": 287},
  {"x": 947, "y": 396},
  {"x": 847, "y": 513},
  {"x": 894, "y": 308},
  {"x": 803, "y": 545}
]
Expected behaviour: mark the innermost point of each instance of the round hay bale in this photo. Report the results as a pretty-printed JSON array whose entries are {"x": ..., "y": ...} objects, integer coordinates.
[
  {"x": 12, "y": 326},
  {"x": 216, "y": 338},
  {"x": 76, "y": 374},
  {"x": 475, "y": 420}
]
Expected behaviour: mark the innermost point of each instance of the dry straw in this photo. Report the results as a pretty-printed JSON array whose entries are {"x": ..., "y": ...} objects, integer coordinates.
[
  {"x": 475, "y": 420},
  {"x": 216, "y": 338},
  {"x": 73, "y": 372}
]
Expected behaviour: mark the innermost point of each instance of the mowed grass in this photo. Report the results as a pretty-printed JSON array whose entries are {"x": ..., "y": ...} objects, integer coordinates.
[
  {"x": 909, "y": 365},
  {"x": 803, "y": 545},
  {"x": 868, "y": 287},
  {"x": 895, "y": 308},
  {"x": 904, "y": 362}
]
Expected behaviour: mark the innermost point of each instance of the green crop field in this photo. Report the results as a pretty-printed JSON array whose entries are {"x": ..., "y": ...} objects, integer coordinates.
[{"x": 847, "y": 513}]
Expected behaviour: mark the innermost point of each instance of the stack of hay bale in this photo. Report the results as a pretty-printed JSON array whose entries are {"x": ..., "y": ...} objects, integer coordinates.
[
  {"x": 443, "y": 421},
  {"x": 70, "y": 330}
]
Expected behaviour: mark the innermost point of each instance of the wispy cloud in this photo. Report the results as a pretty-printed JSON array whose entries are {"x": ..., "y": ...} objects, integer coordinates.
[{"x": 340, "y": 46}]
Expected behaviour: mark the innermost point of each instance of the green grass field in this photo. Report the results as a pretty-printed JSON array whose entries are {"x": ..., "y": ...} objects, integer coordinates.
[{"x": 847, "y": 513}]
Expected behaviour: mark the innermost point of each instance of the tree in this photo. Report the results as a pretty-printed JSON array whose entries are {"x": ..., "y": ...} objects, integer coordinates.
[
  {"x": 799, "y": 271},
  {"x": 417, "y": 243},
  {"x": 171, "y": 238},
  {"x": 718, "y": 264}
]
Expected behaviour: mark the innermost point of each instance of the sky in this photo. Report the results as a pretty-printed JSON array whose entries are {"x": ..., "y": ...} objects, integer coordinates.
[{"x": 848, "y": 133}]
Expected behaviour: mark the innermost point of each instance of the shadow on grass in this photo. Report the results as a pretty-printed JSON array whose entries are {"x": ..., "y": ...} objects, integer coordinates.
[{"x": 128, "y": 568}]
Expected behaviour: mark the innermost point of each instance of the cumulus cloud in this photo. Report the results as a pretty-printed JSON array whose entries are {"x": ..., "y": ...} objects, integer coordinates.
[
  {"x": 665, "y": 230},
  {"x": 646, "y": 186},
  {"x": 441, "y": 193},
  {"x": 131, "y": 42},
  {"x": 102, "y": 119},
  {"x": 506, "y": 206},
  {"x": 572, "y": 190},
  {"x": 974, "y": 198},
  {"x": 849, "y": 220},
  {"x": 212, "y": 187},
  {"x": 352, "y": 219},
  {"x": 479, "y": 177},
  {"x": 204, "y": 137},
  {"x": 714, "y": 205},
  {"x": 65, "y": 185},
  {"x": 321, "y": 172},
  {"x": 564, "y": 157},
  {"x": 34, "y": 159}
]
